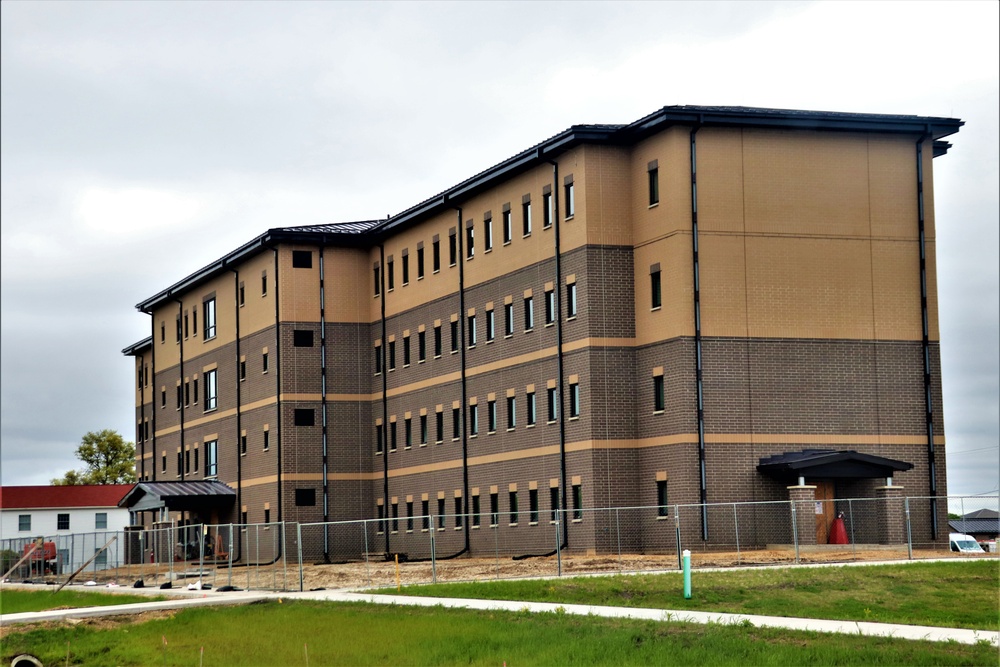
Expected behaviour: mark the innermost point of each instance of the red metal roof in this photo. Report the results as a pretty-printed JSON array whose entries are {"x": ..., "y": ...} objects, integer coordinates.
[{"x": 41, "y": 497}]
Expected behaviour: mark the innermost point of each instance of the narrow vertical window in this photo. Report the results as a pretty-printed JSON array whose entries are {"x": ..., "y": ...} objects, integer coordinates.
[
  {"x": 441, "y": 517},
  {"x": 390, "y": 273},
  {"x": 511, "y": 412},
  {"x": 423, "y": 429},
  {"x": 553, "y": 404},
  {"x": 264, "y": 362},
  {"x": 508, "y": 229},
  {"x": 526, "y": 214},
  {"x": 473, "y": 420},
  {"x": 243, "y": 295},
  {"x": 661, "y": 497},
  {"x": 533, "y": 506},
  {"x": 475, "y": 511},
  {"x": 531, "y": 408},
  {"x": 393, "y": 438},
  {"x": 656, "y": 294},
  {"x": 554, "y": 504},
  {"x": 654, "y": 183},
  {"x": 437, "y": 341},
  {"x": 452, "y": 248},
  {"x": 376, "y": 271},
  {"x": 421, "y": 345},
  {"x": 395, "y": 517},
  {"x": 243, "y": 443},
  {"x": 211, "y": 458},
  {"x": 420, "y": 262},
  {"x": 379, "y": 439},
  {"x": 456, "y": 423},
  {"x": 570, "y": 197},
  {"x": 487, "y": 234},
  {"x": 454, "y": 336},
  {"x": 408, "y": 433},
  {"x": 378, "y": 359},
  {"x": 659, "y": 402},
  {"x": 267, "y": 440},
  {"x": 491, "y": 416},
  {"x": 243, "y": 369},
  {"x": 574, "y": 400},
  {"x": 494, "y": 509},
  {"x": 406, "y": 351},
  {"x": 263, "y": 283},
  {"x": 490, "y": 326},
  {"x": 406, "y": 269},
  {"x": 470, "y": 241},
  {"x": 577, "y": 502},
  {"x": 529, "y": 313},
  {"x": 186, "y": 327},
  {"x": 381, "y": 519},
  {"x": 512, "y": 505},
  {"x": 547, "y": 209},
  {"x": 425, "y": 520},
  {"x": 550, "y": 307},
  {"x": 436, "y": 255},
  {"x": 472, "y": 330},
  {"x": 459, "y": 514},
  {"x": 392, "y": 355},
  {"x": 508, "y": 319},
  {"x": 211, "y": 389},
  {"x": 439, "y": 417},
  {"x": 571, "y": 301}
]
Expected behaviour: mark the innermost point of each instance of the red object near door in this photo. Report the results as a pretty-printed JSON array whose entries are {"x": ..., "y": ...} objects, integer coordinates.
[{"x": 838, "y": 532}]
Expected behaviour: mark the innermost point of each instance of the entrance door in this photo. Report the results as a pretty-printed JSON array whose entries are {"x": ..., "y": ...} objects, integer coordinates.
[{"x": 824, "y": 510}]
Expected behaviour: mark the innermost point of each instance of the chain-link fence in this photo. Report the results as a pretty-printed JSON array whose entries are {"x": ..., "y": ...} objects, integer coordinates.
[{"x": 416, "y": 545}]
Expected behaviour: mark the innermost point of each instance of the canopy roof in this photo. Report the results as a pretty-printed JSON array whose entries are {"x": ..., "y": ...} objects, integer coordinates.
[
  {"x": 178, "y": 496},
  {"x": 829, "y": 463}
]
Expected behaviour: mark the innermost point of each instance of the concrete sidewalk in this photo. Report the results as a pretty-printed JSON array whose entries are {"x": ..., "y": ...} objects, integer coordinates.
[{"x": 185, "y": 599}]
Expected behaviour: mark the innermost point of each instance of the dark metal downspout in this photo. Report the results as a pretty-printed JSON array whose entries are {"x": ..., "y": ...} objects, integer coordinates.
[
  {"x": 277, "y": 351},
  {"x": 385, "y": 395},
  {"x": 559, "y": 352},
  {"x": 239, "y": 413},
  {"x": 180, "y": 341},
  {"x": 152, "y": 365},
  {"x": 460, "y": 234},
  {"x": 142, "y": 416},
  {"x": 928, "y": 398},
  {"x": 323, "y": 403},
  {"x": 702, "y": 485}
]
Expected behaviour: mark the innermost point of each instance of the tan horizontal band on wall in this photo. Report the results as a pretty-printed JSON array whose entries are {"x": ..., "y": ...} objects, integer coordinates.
[{"x": 818, "y": 439}]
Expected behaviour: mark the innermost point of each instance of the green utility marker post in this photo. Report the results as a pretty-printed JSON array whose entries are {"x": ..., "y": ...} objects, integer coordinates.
[{"x": 687, "y": 574}]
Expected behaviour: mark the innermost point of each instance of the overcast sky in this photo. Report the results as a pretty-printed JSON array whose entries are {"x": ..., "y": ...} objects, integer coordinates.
[{"x": 141, "y": 141}]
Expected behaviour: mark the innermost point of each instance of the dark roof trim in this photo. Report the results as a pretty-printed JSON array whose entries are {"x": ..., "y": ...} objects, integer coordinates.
[{"x": 135, "y": 349}]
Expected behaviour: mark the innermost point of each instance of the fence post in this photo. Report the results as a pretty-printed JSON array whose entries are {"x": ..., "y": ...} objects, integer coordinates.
[
  {"x": 677, "y": 528},
  {"x": 854, "y": 542},
  {"x": 284, "y": 556},
  {"x": 795, "y": 532},
  {"x": 229, "y": 554},
  {"x": 736, "y": 527},
  {"x": 558, "y": 547},
  {"x": 909, "y": 536},
  {"x": 496, "y": 540},
  {"x": 431, "y": 529},
  {"x": 201, "y": 553},
  {"x": 298, "y": 539},
  {"x": 368, "y": 567},
  {"x": 618, "y": 530}
]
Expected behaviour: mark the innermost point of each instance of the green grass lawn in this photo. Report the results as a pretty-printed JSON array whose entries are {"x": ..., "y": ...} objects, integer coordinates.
[
  {"x": 17, "y": 601},
  {"x": 955, "y": 595},
  {"x": 274, "y": 633}
]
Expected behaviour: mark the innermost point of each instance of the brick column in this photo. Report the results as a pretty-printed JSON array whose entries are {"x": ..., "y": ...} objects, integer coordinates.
[
  {"x": 804, "y": 499},
  {"x": 891, "y": 515}
]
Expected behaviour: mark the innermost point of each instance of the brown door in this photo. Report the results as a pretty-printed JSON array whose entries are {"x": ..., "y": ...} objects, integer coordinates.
[{"x": 824, "y": 510}]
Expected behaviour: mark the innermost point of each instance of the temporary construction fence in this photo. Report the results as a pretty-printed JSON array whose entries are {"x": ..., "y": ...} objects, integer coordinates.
[{"x": 414, "y": 546}]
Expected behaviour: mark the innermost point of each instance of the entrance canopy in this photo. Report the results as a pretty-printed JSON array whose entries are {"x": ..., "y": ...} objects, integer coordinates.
[
  {"x": 178, "y": 496},
  {"x": 829, "y": 463}
]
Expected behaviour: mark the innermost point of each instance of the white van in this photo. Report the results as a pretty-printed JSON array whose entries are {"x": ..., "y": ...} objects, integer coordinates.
[{"x": 965, "y": 544}]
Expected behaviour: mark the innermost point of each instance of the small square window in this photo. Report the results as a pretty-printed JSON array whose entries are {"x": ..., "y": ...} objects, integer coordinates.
[
  {"x": 305, "y": 417},
  {"x": 62, "y": 522},
  {"x": 302, "y": 338},
  {"x": 305, "y": 497},
  {"x": 24, "y": 522},
  {"x": 302, "y": 259}
]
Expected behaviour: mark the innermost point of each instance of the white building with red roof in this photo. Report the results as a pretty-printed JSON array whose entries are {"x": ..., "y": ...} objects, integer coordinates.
[{"x": 79, "y": 519}]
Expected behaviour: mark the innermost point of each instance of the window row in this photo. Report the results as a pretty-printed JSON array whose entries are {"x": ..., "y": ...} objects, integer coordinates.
[
  {"x": 478, "y": 327},
  {"x": 512, "y": 514},
  {"x": 62, "y": 521},
  {"x": 470, "y": 238},
  {"x": 418, "y": 430}
]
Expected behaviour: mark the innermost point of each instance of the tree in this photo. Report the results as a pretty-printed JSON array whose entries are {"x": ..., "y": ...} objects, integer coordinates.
[{"x": 108, "y": 457}]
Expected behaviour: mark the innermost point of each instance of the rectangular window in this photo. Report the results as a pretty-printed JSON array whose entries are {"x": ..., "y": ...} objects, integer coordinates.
[
  {"x": 508, "y": 230},
  {"x": 180, "y": 463},
  {"x": 661, "y": 497},
  {"x": 406, "y": 351},
  {"x": 420, "y": 262},
  {"x": 409, "y": 516},
  {"x": 439, "y": 418},
  {"x": 512, "y": 501},
  {"x": 488, "y": 234},
  {"x": 470, "y": 242},
  {"x": 452, "y": 248},
  {"x": 196, "y": 459},
  {"x": 425, "y": 520},
  {"x": 441, "y": 516},
  {"x": 243, "y": 443},
  {"x": 526, "y": 217},
  {"x": 437, "y": 341},
  {"x": 267, "y": 515},
  {"x": 570, "y": 200},
  {"x": 187, "y": 461},
  {"x": 243, "y": 370},
  {"x": 378, "y": 280},
  {"x": 421, "y": 345},
  {"x": 533, "y": 505},
  {"x": 550, "y": 307},
  {"x": 186, "y": 328},
  {"x": 406, "y": 269},
  {"x": 24, "y": 522},
  {"x": 163, "y": 398},
  {"x": 163, "y": 332},
  {"x": 491, "y": 413},
  {"x": 508, "y": 319},
  {"x": 436, "y": 256},
  {"x": 529, "y": 313},
  {"x": 574, "y": 400},
  {"x": 302, "y": 338},
  {"x": 302, "y": 259},
  {"x": 393, "y": 436},
  {"x": 178, "y": 328},
  {"x": 378, "y": 359},
  {"x": 100, "y": 520},
  {"x": 180, "y": 396},
  {"x": 381, "y": 519},
  {"x": 553, "y": 404},
  {"x": 305, "y": 417},
  {"x": 263, "y": 283},
  {"x": 243, "y": 295},
  {"x": 547, "y": 209},
  {"x": 654, "y": 285},
  {"x": 654, "y": 184},
  {"x": 659, "y": 403},
  {"x": 531, "y": 412},
  {"x": 305, "y": 497},
  {"x": 571, "y": 301},
  {"x": 264, "y": 362},
  {"x": 212, "y": 455},
  {"x": 511, "y": 412},
  {"x": 472, "y": 330},
  {"x": 390, "y": 274},
  {"x": 490, "y": 326},
  {"x": 494, "y": 509},
  {"x": 459, "y": 513},
  {"x": 395, "y": 517},
  {"x": 392, "y": 355},
  {"x": 577, "y": 502},
  {"x": 163, "y": 463},
  {"x": 554, "y": 504},
  {"x": 407, "y": 432},
  {"x": 267, "y": 440},
  {"x": 195, "y": 385},
  {"x": 423, "y": 429},
  {"x": 454, "y": 336},
  {"x": 379, "y": 438},
  {"x": 62, "y": 522},
  {"x": 456, "y": 423},
  {"x": 211, "y": 389},
  {"x": 187, "y": 393},
  {"x": 473, "y": 420},
  {"x": 475, "y": 511}
]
